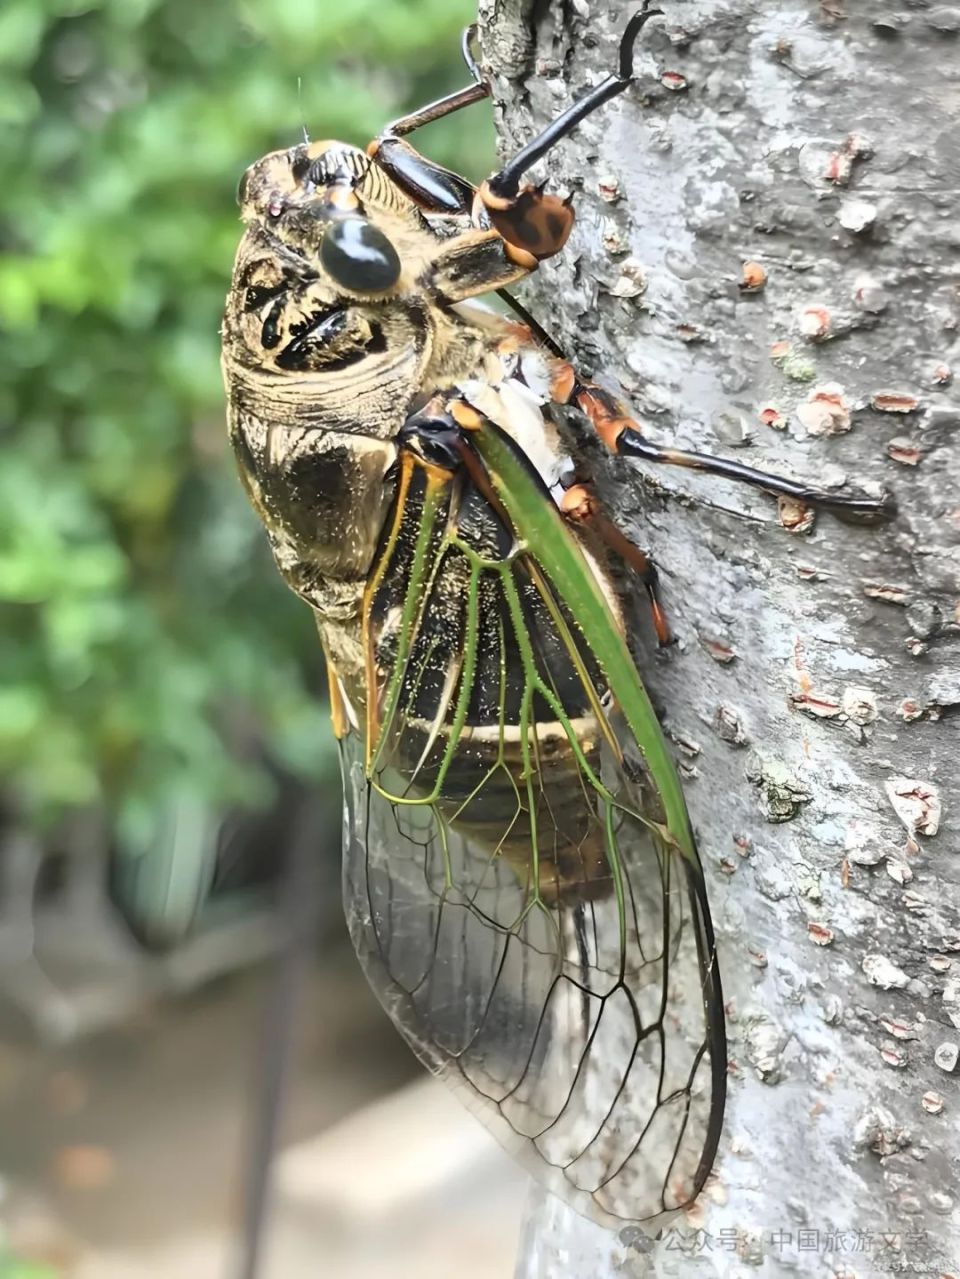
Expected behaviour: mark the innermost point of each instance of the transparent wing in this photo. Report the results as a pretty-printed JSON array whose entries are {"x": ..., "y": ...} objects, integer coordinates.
[{"x": 508, "y": 882}]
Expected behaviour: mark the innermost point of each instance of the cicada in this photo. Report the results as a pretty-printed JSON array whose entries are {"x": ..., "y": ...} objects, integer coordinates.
[{"x": 520, "y": 876}]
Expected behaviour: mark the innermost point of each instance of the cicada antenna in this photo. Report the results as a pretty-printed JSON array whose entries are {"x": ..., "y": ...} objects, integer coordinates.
[{"x": 303, "y": 118}]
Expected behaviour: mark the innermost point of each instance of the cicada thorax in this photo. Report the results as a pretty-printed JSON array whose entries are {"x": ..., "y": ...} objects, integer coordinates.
[{"x": 456, "y": 722}]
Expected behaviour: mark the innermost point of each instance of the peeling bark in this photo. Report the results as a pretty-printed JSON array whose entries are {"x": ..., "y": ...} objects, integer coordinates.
[{"x": 766, "y": 263}]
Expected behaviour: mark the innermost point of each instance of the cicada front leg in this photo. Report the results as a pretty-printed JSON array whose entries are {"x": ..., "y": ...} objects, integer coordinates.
[
  {"x": 480, "y": 259},
  {"x": 622, "y": 435},
  {"x": 527, "y": 216},
  {"x": 435, "y": 188}
]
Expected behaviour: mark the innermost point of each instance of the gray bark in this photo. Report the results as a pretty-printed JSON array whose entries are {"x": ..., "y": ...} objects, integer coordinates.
[{"x": 813, "y": 692}]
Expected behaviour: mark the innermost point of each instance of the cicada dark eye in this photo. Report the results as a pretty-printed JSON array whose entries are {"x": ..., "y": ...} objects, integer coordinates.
[{"x": 359, "y": 257}]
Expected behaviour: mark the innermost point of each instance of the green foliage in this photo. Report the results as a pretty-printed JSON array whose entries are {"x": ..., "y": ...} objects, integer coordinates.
[
  {"x": 12, "y": 1268},
  {"x": 146, "y": 636}
]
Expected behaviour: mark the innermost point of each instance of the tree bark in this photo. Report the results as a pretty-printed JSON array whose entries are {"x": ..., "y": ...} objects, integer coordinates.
[{"x": 766, "y": 264}]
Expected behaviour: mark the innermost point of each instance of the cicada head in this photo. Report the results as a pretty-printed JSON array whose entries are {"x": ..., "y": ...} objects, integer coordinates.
[
  {"x": 328, "y": 282},
  {"x": 332, "y": 206}
]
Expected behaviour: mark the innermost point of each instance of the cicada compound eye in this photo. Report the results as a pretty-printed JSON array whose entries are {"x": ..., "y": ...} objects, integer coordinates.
[{"x": 358, "y": 256}]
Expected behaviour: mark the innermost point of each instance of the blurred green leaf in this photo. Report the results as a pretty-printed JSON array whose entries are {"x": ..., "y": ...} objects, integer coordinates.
[
  {"x": 12, "y": 1268},
  {"x": 146, "y": 639}
]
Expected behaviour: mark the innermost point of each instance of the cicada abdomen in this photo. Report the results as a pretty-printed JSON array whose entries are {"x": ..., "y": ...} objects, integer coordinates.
[{"x": 458, "y": 726}]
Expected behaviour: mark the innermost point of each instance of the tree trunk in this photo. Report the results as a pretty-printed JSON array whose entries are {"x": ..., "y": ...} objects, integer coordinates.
[{"x": 766, "y": 264}]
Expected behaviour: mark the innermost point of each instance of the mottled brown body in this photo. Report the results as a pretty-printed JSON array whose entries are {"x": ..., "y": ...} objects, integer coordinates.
[
  {"x": 313, "y": 423},
  {"x": 320, "y": 380}
]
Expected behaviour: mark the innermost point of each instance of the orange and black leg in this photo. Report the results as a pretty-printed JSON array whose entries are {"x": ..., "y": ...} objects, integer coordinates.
[
  {"x": 532, "y": 223},
  {"x": 622, "y": 435},
  {"x": 580, "y": 505},
  {"x": 525, "y": 216}
]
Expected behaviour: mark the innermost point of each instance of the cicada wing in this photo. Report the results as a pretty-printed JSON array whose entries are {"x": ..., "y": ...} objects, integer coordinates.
[
  {"x": 438, "y": 924},
  {"x": 509, "y": 886}
]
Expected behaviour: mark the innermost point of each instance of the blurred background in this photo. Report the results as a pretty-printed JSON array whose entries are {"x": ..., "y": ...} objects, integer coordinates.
[{"x": 169, "y": 803}]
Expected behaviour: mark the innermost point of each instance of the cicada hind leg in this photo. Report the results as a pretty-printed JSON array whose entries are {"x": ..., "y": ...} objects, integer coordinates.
[{"x": 581, "y": 506}]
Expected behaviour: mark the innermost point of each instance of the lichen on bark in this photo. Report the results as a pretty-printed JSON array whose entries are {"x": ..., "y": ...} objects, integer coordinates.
[{"x": 766, "y": 265}]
